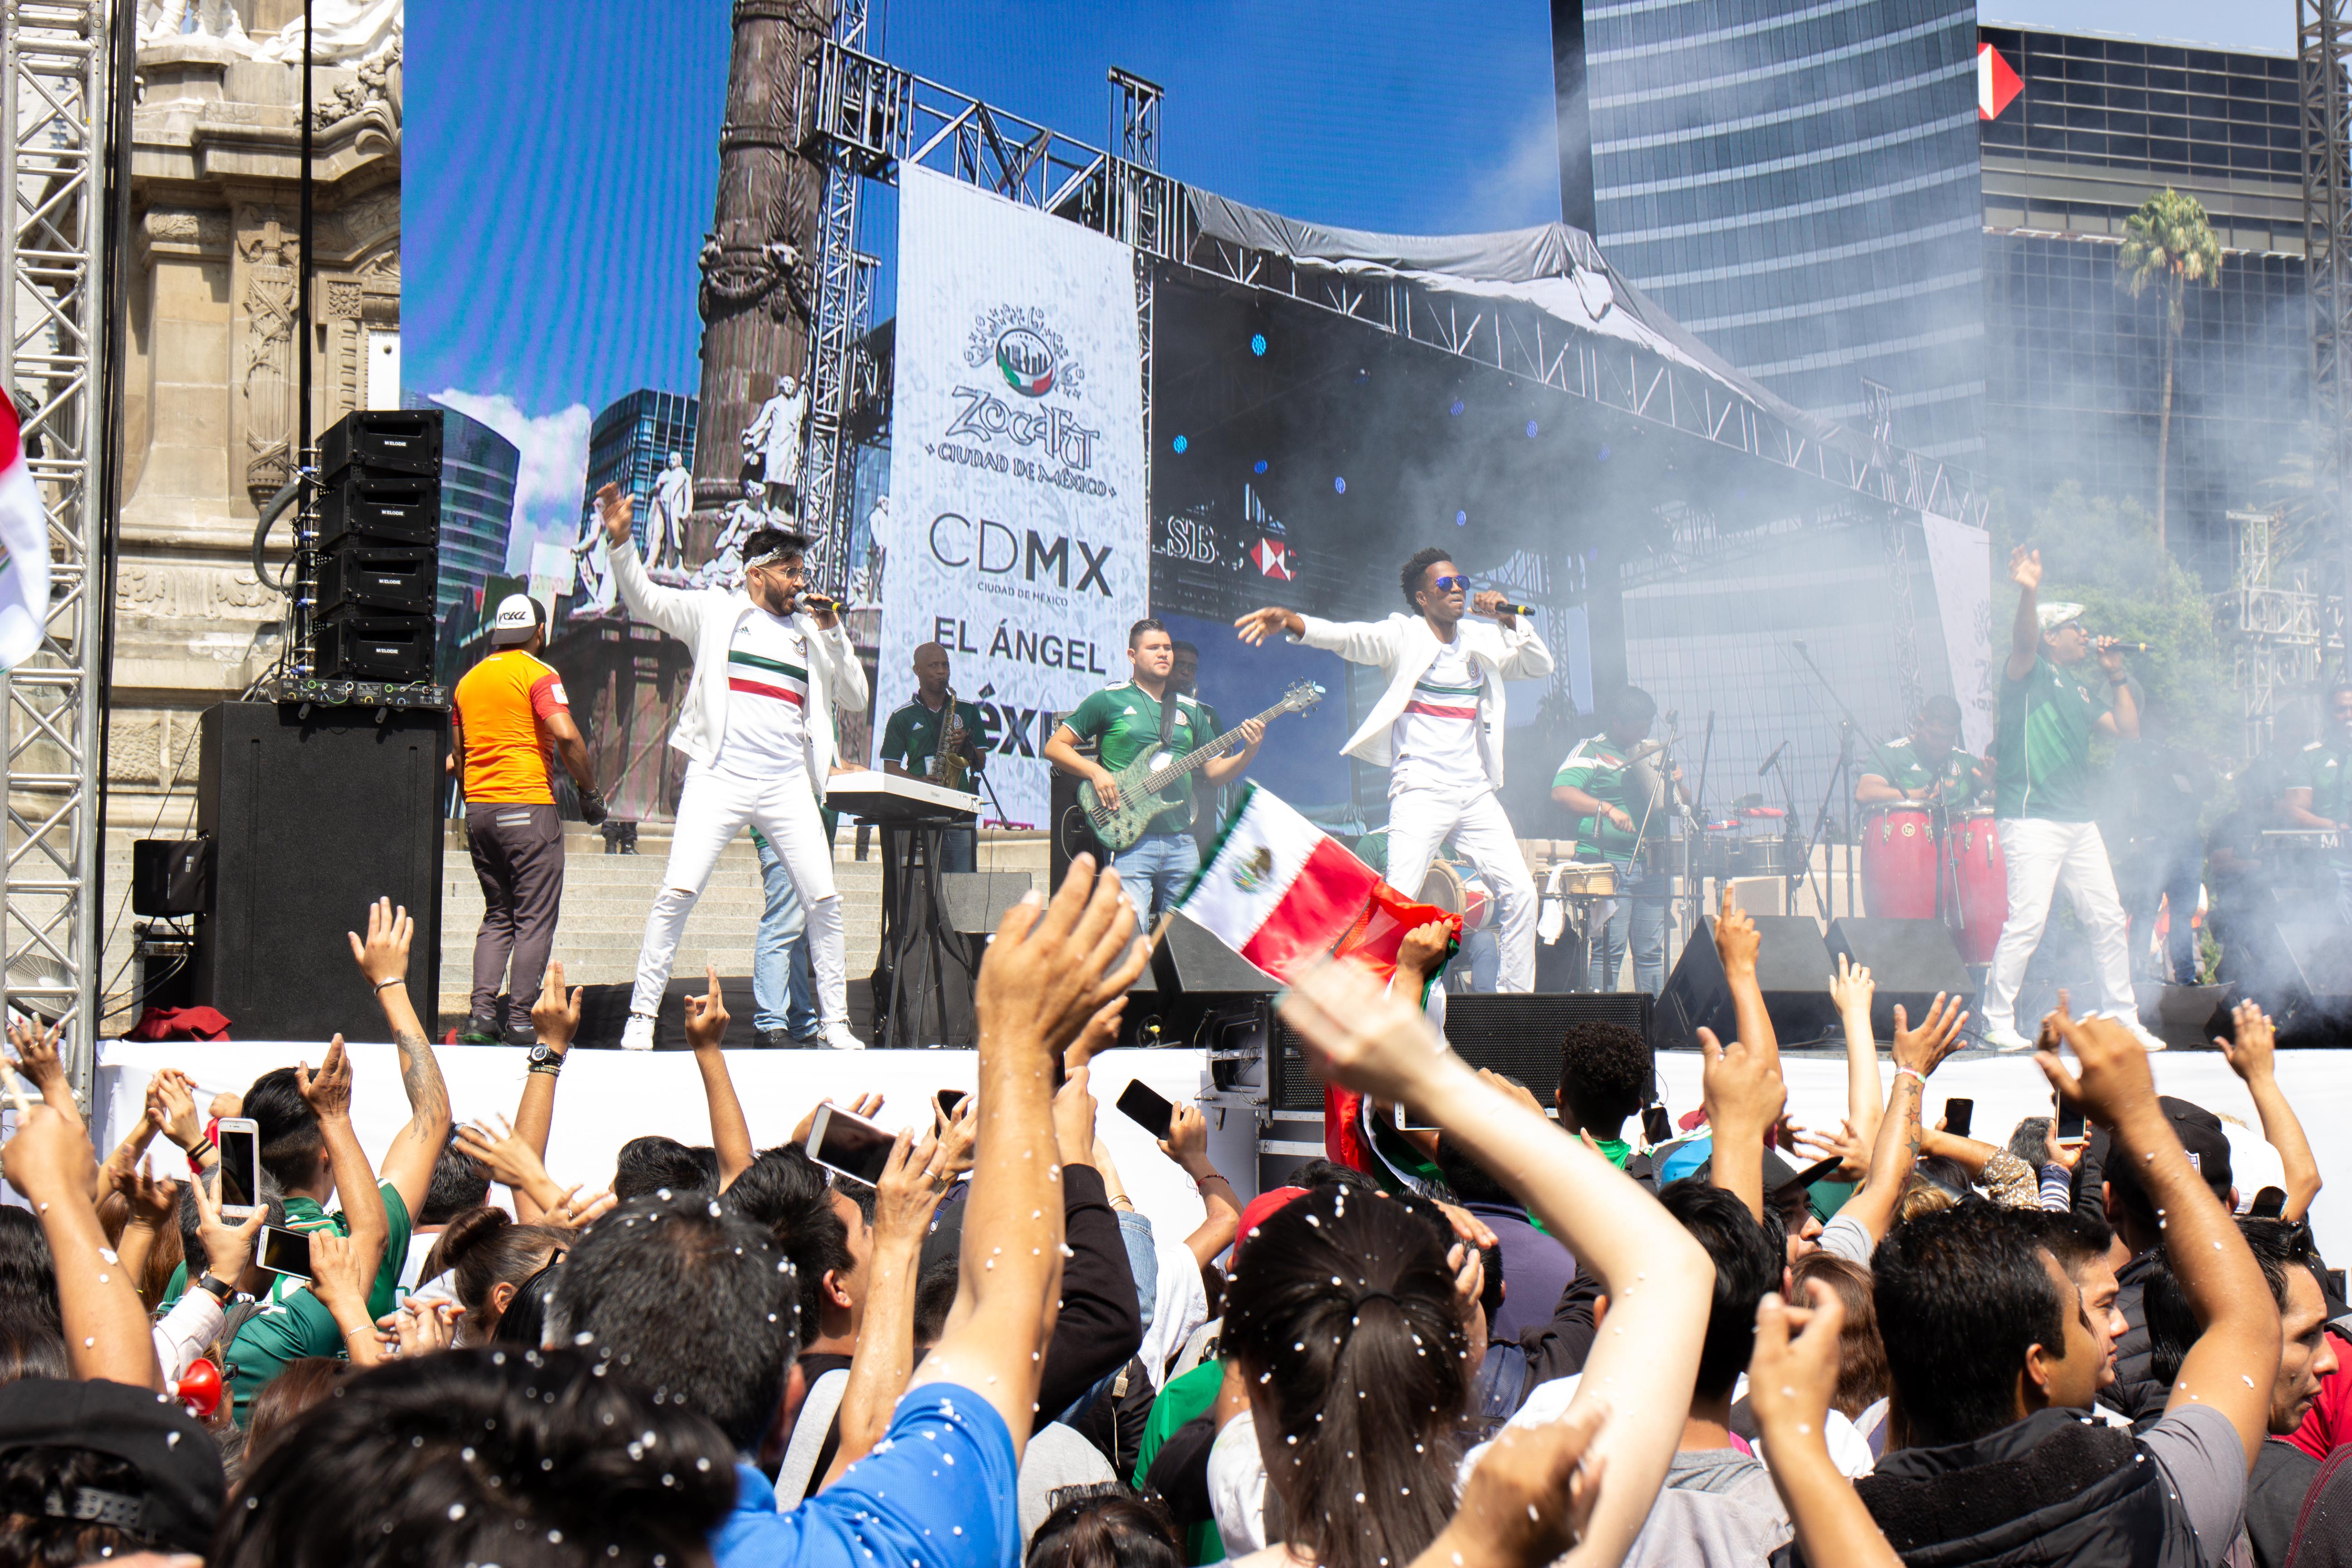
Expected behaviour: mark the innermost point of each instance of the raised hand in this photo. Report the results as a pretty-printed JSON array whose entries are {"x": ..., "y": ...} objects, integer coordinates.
[
  {"x": 913, "y": 1181},
  {"x": 50, "y": 1159},
  {"x": 1936, "y": 1037},
  {"x": 506, "y": 1155},
  {"x": 1853, "y": 1155},
  {"x": 2252, "y": 1053},
  {"x": 37, "y": 1054},
  {"x": 383, "y": 955},
  {"x": 328, "y": 1092},
  {"x": 1530, "y": 1498},
  {"x": 1469, "y": 1287},
  {"x": 706, "y": 1016},
  {"x": 2112, "y": 1077},
  {"x": 170, "y": 1092},
  {"x": 1423, "y": 949},
  {"x": 153, "y": 1203},
  {"x": 867, "y": 1106},
  {"x": 2026, "y": 567},
  {"x": 553, "y": 1019},
  {"x": 1187, "y": 1143},
  {"x": 1852, "y": 988},
  {"x": 228, "y": 1248},
  {"x": 618, "y": 511},
  {"x": 1743, "y": 1089},
  {"x": 1791, "y": 1376},
  {"x": 1259, "y": 625},
  {"x": 573, "y": 1212},
  {"x": 962, "y": 1140},
  {"x": 1073, "y": 1119},
  {"x": 1051, "y": 968},
  {"x": 1367, "y": 1040},
  {"x": 1737, "y": 940},
  {"x": 1100, "y": 1034}
]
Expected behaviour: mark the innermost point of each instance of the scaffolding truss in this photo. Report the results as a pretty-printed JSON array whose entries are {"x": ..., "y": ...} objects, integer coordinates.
[
  {"x": 2324, "y": 49},
  {"x": 845, "y": 294},
  {"x": 54, "y": 123}
]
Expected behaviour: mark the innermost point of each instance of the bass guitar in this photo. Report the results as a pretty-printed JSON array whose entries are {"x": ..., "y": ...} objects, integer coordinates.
[{"x": 1138, "y": 786}]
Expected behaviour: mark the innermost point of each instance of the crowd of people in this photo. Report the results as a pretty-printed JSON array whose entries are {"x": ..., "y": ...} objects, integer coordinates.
[{"x": 1530, "y": 1333}]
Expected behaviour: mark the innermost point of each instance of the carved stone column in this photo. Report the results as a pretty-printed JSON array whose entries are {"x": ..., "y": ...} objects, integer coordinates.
[{"x": 755, "y": 308}]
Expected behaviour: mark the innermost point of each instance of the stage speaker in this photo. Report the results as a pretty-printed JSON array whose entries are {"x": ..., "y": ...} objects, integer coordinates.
[
  {"x": 2314, "y": 971},
  {"x": 1792, "y": 969},
  {"x": 357, "y": 646},
  {"x": 1194, "y": 988},
  {"x": 382, "y": 441},
  {"x": 1516, "y": 1033},
  {"x": 604, "y": 1013},
  {"x": 1072, "y": 836},
  {"x": 378, "y": 579},
  {"x": 310, "y": 821},
  {"x": 975, "y": 901},
  {"x": 393, "y": 508},
  {"x": 1909, "y": 961},
  {"x": 171, "y": 876}
]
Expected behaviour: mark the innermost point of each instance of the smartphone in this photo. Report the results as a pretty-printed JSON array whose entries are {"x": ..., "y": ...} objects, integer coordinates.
[
  {"x": 1958, "y": 1114},
  {"x": 286, "y": 1252},
  {"x": 849, "y": 1145},
  {"x": 1147, "y": 1107},
  {"x": 1404, "y": 1118},
  {"x": 949, "y": 1101},
  {"x": 2070, "y": 1120},
  {"x": 239, "y": 1141},
  {"x": 1657, "y": 1125}
]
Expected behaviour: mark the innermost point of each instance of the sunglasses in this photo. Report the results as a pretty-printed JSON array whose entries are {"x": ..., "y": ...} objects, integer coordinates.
[{"x": 1447, "y": 584}]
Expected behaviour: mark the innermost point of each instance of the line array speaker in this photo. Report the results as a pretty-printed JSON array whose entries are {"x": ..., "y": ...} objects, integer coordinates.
[{"x": 380, "y": 529}]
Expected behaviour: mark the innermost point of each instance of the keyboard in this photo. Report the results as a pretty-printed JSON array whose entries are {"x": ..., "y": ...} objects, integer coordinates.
[{"x": 894, "y": 797}]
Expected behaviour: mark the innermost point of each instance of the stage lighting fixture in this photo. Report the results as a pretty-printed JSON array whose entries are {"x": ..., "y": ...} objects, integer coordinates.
[
  {"x": 1340, "y": 483},
  {"x": 1259, "y": 466},
  {"x": 1461, "y": 520},
  {"x": 1457, "y": 409},
  {"x": 1257, "y": 345},
  {"x": 1180, "y": 443},
  {"x": 1531, "y": 429}
]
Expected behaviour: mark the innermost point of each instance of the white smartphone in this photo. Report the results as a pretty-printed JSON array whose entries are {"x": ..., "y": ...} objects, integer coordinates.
[
  {"x": 239, "y": 1141},
  {"x": 849, "y": 1144}
]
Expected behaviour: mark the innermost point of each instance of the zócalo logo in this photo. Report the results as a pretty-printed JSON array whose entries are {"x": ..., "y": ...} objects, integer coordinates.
[{"x": 1027, "y": 352}]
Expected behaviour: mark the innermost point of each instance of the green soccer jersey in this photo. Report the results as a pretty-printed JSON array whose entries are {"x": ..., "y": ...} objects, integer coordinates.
[
  {"x": 1598, "y": 768},
  {"x": 1900, "y": 763},
  {"x": 2044, "y": 766},
  {"x": 1124, "y": 721},
  {"x": 2324, "y": 768},
  {"x": 911, "y": 737}
]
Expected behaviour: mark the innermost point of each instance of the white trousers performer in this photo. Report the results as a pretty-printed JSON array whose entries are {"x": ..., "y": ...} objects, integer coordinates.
[
  {"x": 713, "y": 808},
  {"x": 2044, "y": 857},
  {"x": 1421, "y": 819}
]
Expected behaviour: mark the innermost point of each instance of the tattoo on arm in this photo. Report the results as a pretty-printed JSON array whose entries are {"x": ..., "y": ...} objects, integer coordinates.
[{"x": 420, "y": 1073}]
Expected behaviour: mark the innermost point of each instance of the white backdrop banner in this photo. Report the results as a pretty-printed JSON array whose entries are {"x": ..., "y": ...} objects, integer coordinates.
[
  {"x": 1017, "y": 469},
  {"x": 1958, "y": 556}
]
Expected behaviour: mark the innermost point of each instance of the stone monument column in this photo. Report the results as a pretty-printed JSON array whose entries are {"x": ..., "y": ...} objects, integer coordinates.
[{"x": 758, "y": 277}]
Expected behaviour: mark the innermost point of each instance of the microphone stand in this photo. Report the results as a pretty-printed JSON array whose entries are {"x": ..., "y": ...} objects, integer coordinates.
[{"x": 1821, "y": 822}]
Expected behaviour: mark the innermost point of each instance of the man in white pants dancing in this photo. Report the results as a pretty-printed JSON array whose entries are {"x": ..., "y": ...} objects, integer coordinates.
[
  {"x": 757, "y": 727},
  {"x": 1438, "y": 729},
  {"x": 2042, "y": 803}
]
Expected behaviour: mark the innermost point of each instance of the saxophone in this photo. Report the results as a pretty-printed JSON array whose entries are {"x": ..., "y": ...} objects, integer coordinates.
[{"x": 949, "y": 768}]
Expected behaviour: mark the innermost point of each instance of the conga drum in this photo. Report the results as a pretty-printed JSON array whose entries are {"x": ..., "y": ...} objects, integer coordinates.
[
  {"x": 1898, "y": 860},
  {"x": 1978, "y": 879}
]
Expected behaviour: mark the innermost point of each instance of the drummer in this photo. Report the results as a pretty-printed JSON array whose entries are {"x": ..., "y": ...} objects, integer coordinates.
[
  {"x": 1592, "y": 784},
  {"x": 1926, "y": 764}
]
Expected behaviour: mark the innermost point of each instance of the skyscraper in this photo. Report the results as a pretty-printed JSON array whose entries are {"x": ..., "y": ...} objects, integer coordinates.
[
  {"x": 478, "y": 469},
  {"x": 631, "y": 441}
]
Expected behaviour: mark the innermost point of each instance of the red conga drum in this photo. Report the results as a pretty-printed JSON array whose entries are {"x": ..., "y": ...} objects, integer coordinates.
[
  {"x": 1898, "y": 860},
  {"x": 1978, "y": 877}
]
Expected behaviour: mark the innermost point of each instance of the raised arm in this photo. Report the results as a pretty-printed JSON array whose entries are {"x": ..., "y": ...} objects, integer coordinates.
[
  {"x": 51, "y": 1162},
  {"x": 1744, "y": 1099},
  {"x": 2234, "y": 1362},
  {"x": 730, "y": 1135},
  {"x": 1916, "y": 1053},
  {"x": 1358, "y": 642},
  {"x": 2025, "y": 632},
  {"x": 1660, "y": 1282},
  {"x": 2251, "y": 1054},
  {"x": 904, "y": 1201},
  {"x": 1852, "y": 990},
  {"x": 554, "y": 1020},
  {"x": 415, "y": 1149},
  {"x": 1790, "y": 1380},
  {"x": 37, "y": 1059},
  {"x": 671, "y": 609},
  {"x": 1188, "y": 1144},
  {"x": 1048, "y": 970},
  {"x": 328, "y": 1093},
  {"x": 1737, "y": 942}
]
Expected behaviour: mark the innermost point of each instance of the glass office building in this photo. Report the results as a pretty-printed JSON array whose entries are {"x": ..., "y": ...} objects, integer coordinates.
[
  {"x": 1798, "y": 184},
  {"x": 478, "y": 469},
  {"x": 629, "y": 444},
  {"x": 2074, "y": 363}
]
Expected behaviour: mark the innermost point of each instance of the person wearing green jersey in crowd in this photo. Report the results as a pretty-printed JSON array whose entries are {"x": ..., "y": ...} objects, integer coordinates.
[
  {"x": 910, "y": 741},
  {"x": 2319, "y": 789},
  {"x": 1593, "y": 786},
  {"x": 1126, "y": 722},
  {"x": 1925, "y": 765},
  {"x": 2042, "y": 801}
]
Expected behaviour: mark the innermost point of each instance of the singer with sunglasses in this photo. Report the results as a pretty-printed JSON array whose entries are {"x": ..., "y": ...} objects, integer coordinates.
[
  {"x": 771, "y": 665},
  {"x": 1438, "y": 729}
]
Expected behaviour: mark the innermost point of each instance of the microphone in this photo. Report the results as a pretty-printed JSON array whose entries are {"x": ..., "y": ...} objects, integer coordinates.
[
  {"x": 1771, "y": 760},
  {"x": 1527, "y": 610},
  {"x": 821, "y": 601},
  {"x": 2131, "y": 646}
]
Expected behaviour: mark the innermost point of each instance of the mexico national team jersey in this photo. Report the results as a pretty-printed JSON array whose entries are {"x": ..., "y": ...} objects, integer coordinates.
[
  {"x": 767, "y": 699},
  {"x": 1436, "y": 739},
  {"x": 2324, "y": 768},
  {"x": 2043, "y": 768},
  {"x": 1899, "y": 763},
  {"x": 1124, "y": 719},
  {"x": 1598, "y": 768}
]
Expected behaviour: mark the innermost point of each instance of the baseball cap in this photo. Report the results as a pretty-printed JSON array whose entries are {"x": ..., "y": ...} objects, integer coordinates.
[
  {"x": 2200, "y": 1133},
  {"x": 2054, "y": 616},
  {"x": 182, "y": 1488},
  {"x": 518, "y": 616},
  {"x": 1262, "y": 1208}
]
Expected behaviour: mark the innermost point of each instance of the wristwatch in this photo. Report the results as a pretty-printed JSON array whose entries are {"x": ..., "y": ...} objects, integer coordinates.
[
  {"x": 220, "y": 1289},
  {"x": 546, "y": 1058}
]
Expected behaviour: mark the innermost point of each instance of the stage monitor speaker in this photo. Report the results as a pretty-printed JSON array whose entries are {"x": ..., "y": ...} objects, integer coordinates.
[
  {"x": 399, "y": 509},
  {"x": 171, "y": 876},
  {"x": 374, "y": 647},
  {"x": 1072, "y": 835},
  {"x": 380, "y": 579},
  {"x": 313, "y": 820},
  {"x": 1792, "y": 969},
  {"x": 1519, "y": 1033},
  {"x": 2315, "y": 974},
  {"x": 382, "y": 441},
  {"x": 1909, "y": 961},
  {"x": 975, "y": 901}
]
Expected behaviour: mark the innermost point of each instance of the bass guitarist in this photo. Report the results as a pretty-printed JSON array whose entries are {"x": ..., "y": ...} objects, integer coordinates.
[
  {"x": 1137, "y": 718},
  {"x": 1438, "y": 729}
]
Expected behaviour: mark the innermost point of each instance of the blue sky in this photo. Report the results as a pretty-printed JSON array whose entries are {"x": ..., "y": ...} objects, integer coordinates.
[{"x": 560, "y": 159}]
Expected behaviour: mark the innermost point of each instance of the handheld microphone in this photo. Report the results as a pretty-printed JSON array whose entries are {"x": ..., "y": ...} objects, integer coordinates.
[
  {"x": 2131, "y": 646},
  {"x": 1771, "y": 760},
  {"x": 821, "y": 601},
  {"x": 1527, "y": 610}
]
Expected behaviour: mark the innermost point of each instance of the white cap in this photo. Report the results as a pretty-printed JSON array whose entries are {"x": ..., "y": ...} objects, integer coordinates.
[
  {"x": 2052, "y": 616},
  {"x": 518, "y": 616}
]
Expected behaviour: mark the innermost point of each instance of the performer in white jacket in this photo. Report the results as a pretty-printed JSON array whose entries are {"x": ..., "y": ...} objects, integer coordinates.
[
  {"x": 1438, "y": 729},
  {"x": 757, "y": 727}
]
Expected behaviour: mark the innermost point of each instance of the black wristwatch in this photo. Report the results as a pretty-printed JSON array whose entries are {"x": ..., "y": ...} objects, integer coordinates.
[
  {"x": 546, "y": 1058},
  {"x": 220, "y": 1289}
]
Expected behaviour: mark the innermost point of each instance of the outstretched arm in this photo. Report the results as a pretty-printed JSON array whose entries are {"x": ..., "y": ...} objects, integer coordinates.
[
  {"x": 417, "y": 1148},
  {"x": 1916, "y": 1053},
  {"x": 671, "y": 609},
  {"x": 1852, "y": 990},
  {"x": 730, "y": 1135},
  {"x": 1744, "y": 1099},
  {"x": 554, "y": 1021},
  {"x": 1790, "y": 1379},
  {"x": 328, "y": 1093},
  {"x": 1737, "y": 943},
  {"x": 2251, "y": 1054},
  {"x": 2025, "y": 632},
  {"x": 1187, "y": 1143},
  {"x": 51, "y": 1162},
  {"x": 37, "y": 1059}
]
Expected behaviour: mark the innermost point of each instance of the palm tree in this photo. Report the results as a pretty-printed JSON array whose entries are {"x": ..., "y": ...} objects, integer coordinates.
[{"x": 2167, "y": 243}]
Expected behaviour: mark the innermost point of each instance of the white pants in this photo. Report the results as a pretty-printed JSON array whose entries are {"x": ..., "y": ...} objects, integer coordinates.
[
  {"x": 2043, "y": 856},
  {"x": 714, "y": 808},
  {"x": 1421, "y": 819}
]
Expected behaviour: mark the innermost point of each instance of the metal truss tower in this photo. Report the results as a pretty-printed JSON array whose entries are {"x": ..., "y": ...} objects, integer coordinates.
[
  {"x": 2324, "y": 46},
  {"x": 834, "y": 78},
  {"x": 55, "y": 127}
]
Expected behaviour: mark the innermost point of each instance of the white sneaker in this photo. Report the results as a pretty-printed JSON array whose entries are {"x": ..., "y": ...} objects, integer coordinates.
[
  {"x": 639, "y": 1036},
  {"x": 1997, "y": 1038},
  {"x": 2148, "y": 1039},
  {"x": 838, "y": 1037}
]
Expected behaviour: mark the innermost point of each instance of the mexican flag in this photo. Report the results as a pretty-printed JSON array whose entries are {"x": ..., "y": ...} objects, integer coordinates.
[{"x": 24, "y": 549}]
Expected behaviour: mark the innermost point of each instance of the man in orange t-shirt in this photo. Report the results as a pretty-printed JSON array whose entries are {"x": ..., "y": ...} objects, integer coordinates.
[{"x": 511, "y": 708}]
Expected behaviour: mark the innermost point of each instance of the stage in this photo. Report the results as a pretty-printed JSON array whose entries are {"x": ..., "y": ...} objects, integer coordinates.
[{"x": 606, "y": 1098}]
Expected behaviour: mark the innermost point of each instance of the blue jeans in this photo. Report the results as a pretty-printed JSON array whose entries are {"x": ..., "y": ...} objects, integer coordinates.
[
  {"x": 783, "y": 987},
  {"x": 1639, "y": 917},
  {"x": 1164, "y": 861}
]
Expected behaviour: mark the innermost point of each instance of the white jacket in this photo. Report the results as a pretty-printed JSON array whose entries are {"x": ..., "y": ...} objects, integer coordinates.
[
  {"x": 705, "y": 620},
  {"x": 1404, "y": 647}
]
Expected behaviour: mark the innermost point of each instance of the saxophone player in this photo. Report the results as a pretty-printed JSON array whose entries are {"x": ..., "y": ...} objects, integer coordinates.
[{"x": 910, "y": 743}]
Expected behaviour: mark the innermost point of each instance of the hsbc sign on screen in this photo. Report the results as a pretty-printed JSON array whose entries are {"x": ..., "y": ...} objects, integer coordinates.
[
  {"x": 1017, "y": 469},
  {"x": 1996, "y": 84}
]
